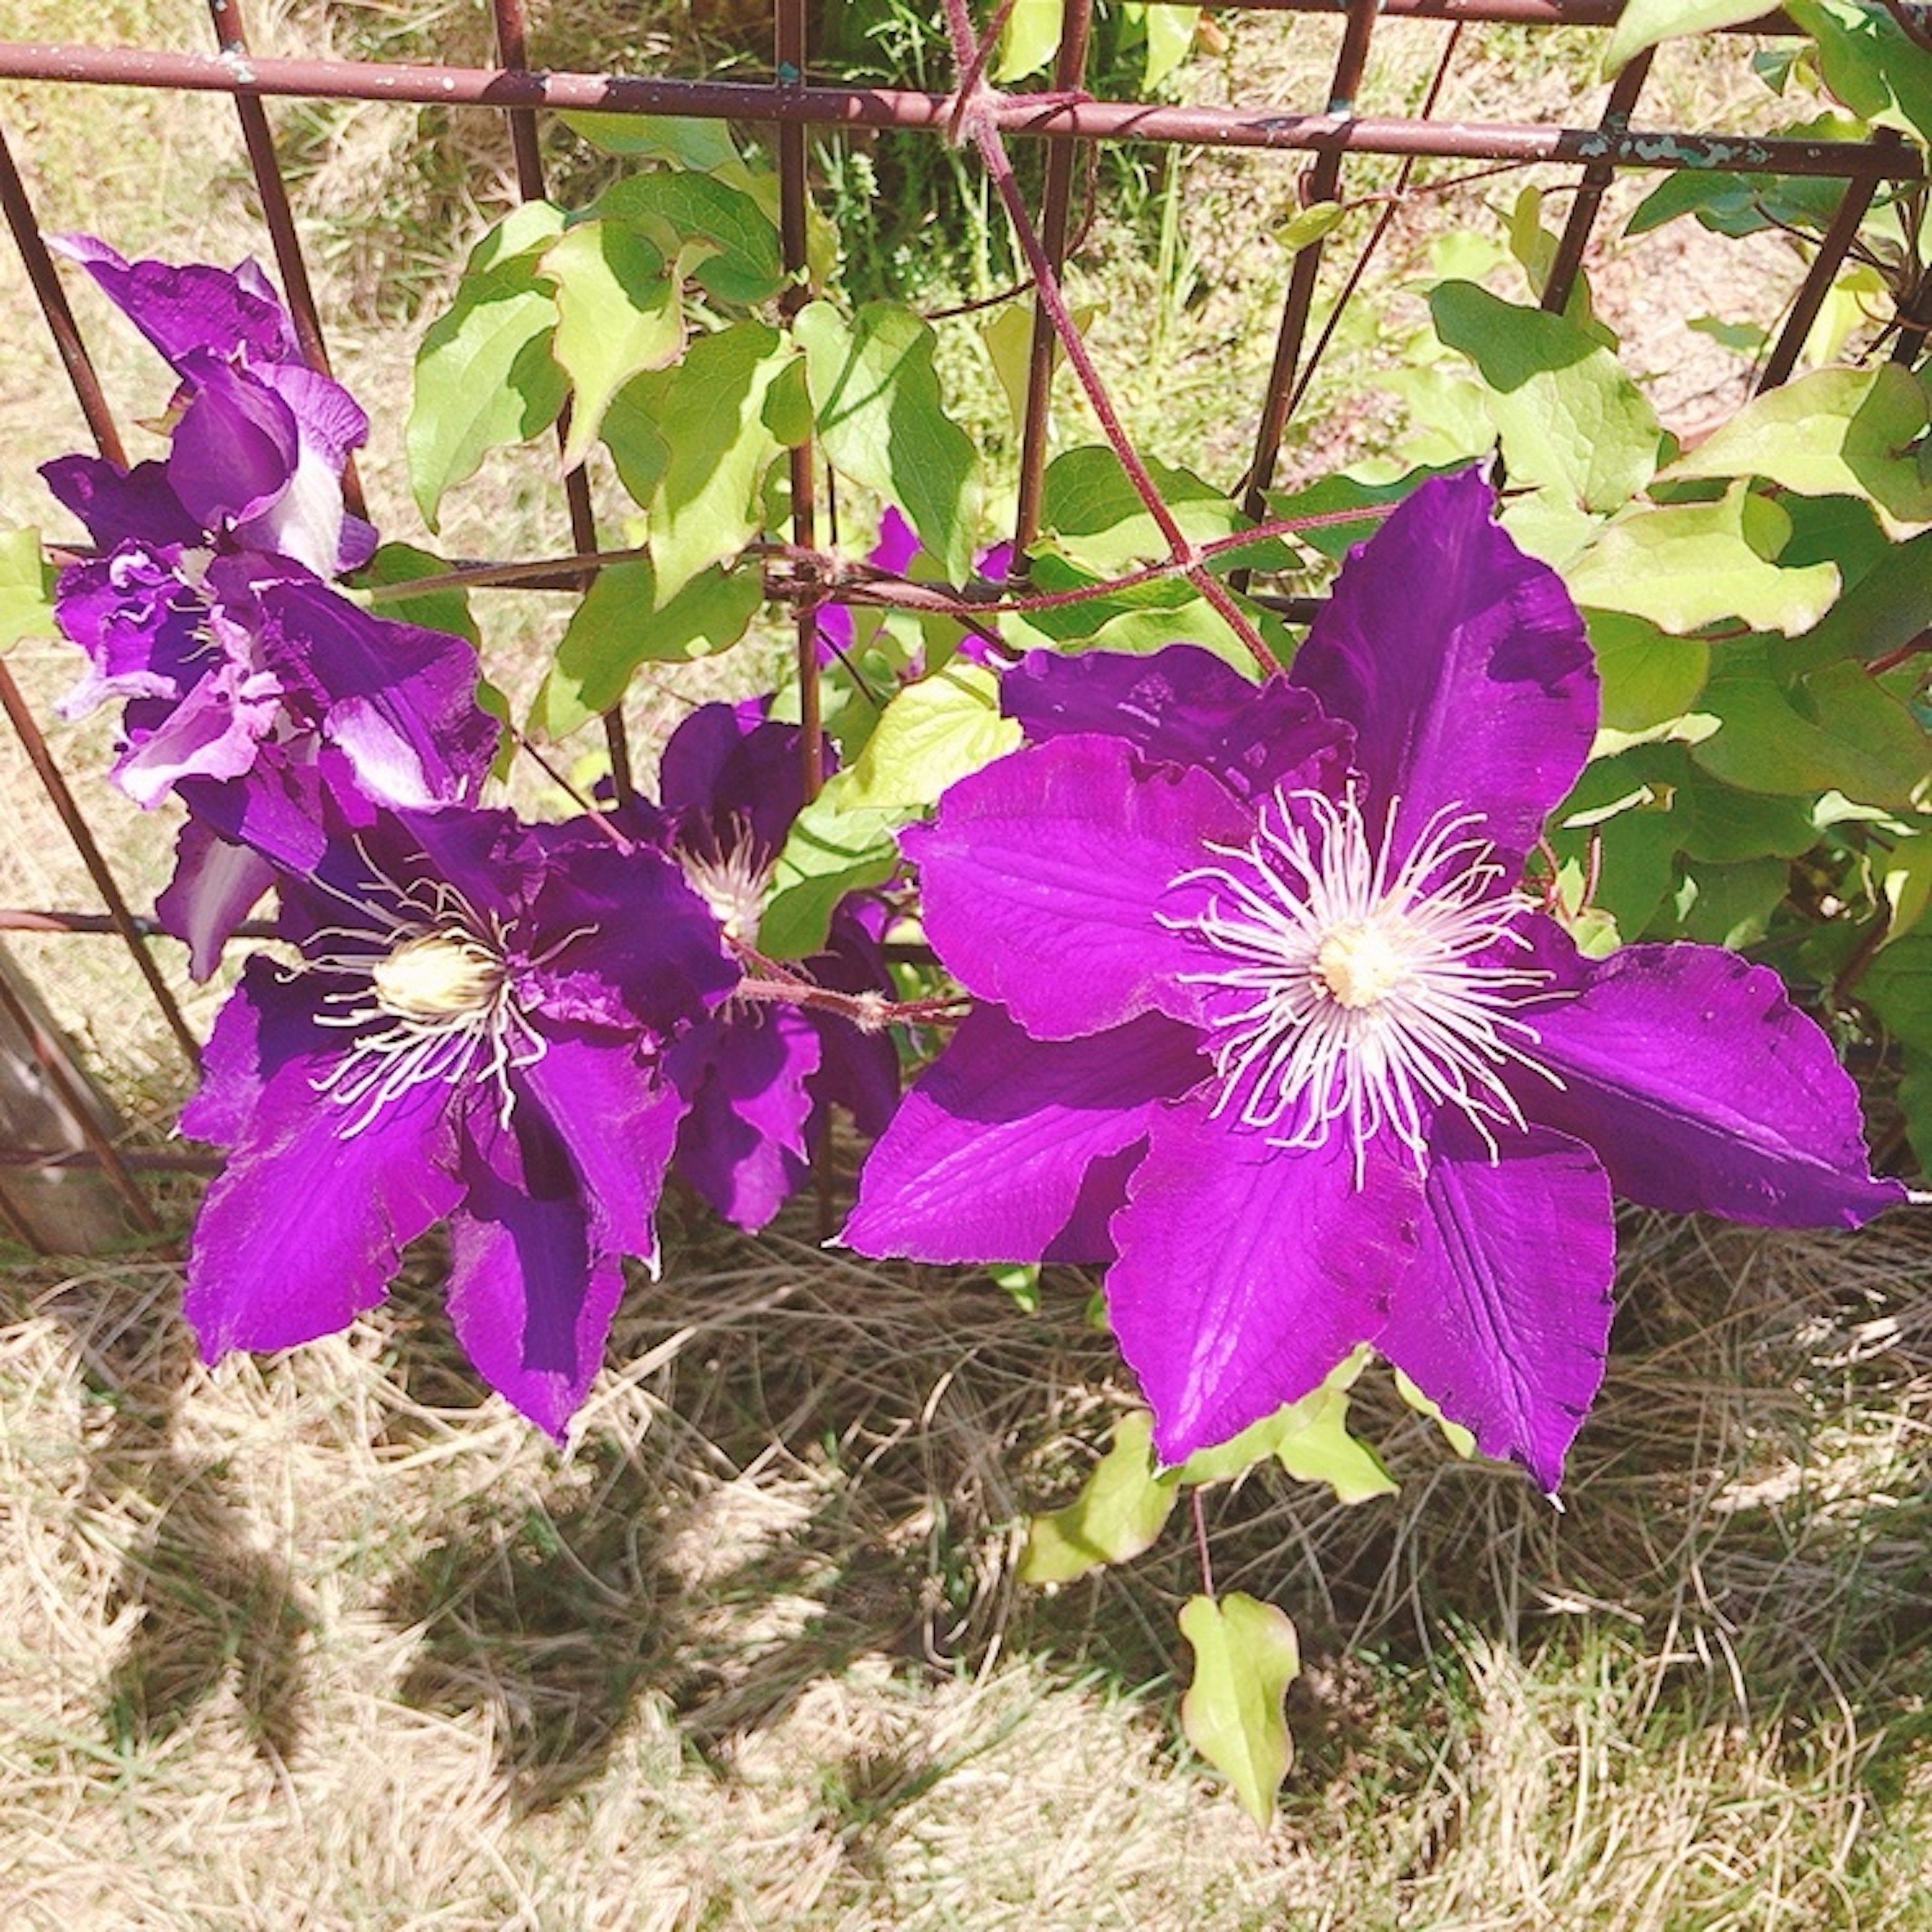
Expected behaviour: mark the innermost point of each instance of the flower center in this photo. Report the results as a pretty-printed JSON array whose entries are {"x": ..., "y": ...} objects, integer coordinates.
[
  {"x": 1346, "y": 991},
  {"x": 732, "y": 883},
  {"x": 1359, "y": 964},
  {"x": 438, "y": 977},
  {"x": 436, "y": 1008}
]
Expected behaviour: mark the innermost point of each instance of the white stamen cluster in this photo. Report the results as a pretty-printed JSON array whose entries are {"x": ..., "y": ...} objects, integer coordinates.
[
  {"x": 730, "y": 879},
  {"x": 434, "y": 1005},
  {"x": 1366, "y": 1012}
]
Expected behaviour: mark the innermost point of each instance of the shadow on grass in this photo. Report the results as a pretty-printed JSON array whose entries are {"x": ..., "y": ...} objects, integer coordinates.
[{"x": 214, "y": 1610}]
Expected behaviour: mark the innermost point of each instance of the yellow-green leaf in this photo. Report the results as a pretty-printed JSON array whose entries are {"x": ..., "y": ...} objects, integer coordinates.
[
  {"x": 1310, "y": 1440},
  {"x": 1120, "y": 1509},
  {"x": 1683, "y": 565},
  {"x": 618, "y": 313},
  {"x": 1245, "y": 1657},
  {"x": 1645, "y": 22},
  {"x": 1838, "y": 432},
  {"x": 26, "y": 588},
  {"x": 1031, "y": 38}
]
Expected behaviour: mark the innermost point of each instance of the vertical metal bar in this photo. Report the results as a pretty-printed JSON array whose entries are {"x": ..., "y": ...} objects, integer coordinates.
[
  {"x": 40, "y": 273},
  {"x": 1597, "y": 177},
  {"x": 789, "y": 53},
  {"x": 513, "y": 49},
  {"x": 1915, "y": 322},
  {"x": 1323, "y": 179},
  {"x": 49, "y": 773},
  {"x": 52, "y": 1064},
  {"x": 231, "y": 36},
  {"x": 1824, "y": 265},
  {"x": 1069, "y": 66}
]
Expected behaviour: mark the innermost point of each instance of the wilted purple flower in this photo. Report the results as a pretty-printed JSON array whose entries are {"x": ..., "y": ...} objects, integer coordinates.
[
  {"x": 1268, "y": 1026},
  {"x": 258, "y": 440},
  {"x": 761, "y": 1077},
  {"x": 475, "y": 1031}
]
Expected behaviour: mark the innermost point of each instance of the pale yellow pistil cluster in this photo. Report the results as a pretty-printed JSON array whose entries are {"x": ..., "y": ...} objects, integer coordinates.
[
  {"x": 438, "y": 977},
  {"x": 436, "y": 1006},
  {"x": 1359, "y": 986},
  {"x": 1360, "y": 963}
]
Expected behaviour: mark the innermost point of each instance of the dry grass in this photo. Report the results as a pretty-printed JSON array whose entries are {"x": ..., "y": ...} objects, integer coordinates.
[{"x": 327, "y": 1640}]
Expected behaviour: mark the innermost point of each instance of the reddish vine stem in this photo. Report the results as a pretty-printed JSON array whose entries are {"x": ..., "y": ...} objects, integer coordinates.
[
  {"x": 1200, "y": 1514},
  {"x": 971, "y": 118}
]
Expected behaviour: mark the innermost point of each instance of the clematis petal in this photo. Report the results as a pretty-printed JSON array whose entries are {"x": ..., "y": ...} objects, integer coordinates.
[
  {"x": 180, "y": 307},
  {"x": 136, "y": 506},
  {"x": 619, "y": 1121},
  {"x": 1247, "y": 1271},
  {"x": 236, "y": 447},
  {"x": 303, "y": 1228},
  {"x": 531, "y": 1295},
  {"x": 400, "y": 700},
  {"x": 216, "y": 884},
  {"x": 726, "y": 770},
  {"x": 1505, "y": 1320},
  {"x": 1043, "y": 875},
  {"x": 1183, "y": 705},
  {"x": 986, "y": 1157},
  {"x": 1463, "y": 665},
  {"x": 211, "y": 733},
  {"x": 1701, "y": 1086},
  {"x": 744, "y": 1144}
]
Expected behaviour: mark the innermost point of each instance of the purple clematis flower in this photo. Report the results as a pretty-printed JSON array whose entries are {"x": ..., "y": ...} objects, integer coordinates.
[
  {"x": 258, "y": 440},
  {"x": 476, "y": 1031},
  {"x": 1267, "y": 1023},
  {"x": 761, "y": 1078}
]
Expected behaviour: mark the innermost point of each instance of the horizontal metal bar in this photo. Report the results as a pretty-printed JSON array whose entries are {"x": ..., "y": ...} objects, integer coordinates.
[
  {"x": 886, "y": 107},
  {"x": 1501, "y": 12}
]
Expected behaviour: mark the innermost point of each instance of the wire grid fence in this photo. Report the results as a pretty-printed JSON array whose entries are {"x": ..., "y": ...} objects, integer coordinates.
[{"x": 1320, "y": 142}]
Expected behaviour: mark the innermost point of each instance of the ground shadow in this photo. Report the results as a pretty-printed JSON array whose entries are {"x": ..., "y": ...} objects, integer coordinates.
[{"x": 215, "y": 1610}]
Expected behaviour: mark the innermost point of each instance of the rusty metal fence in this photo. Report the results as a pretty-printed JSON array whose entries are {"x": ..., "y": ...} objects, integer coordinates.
[{"x": 1320, "y": 142}]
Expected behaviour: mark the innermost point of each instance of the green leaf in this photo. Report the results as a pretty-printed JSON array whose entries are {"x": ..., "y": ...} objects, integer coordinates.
[
  {"x": 1089, "y": 503},
  {"x": 1644, "y": 22},
  {"x": 932, "y": 733},
  {"x": 677, "y": 138},
  {"x": 1031, "y": 38},
  {"x": 1245, "y": 1657},
  {"x": 484, "y": 375},
  {"x": 1833, "y": 730},
  {"x": 618, "y": 313},
  {"x": 1461, "y": 1441},
  {"x": 1571, "y": 419},
  {"x": 1838, "y": 432},
  {"x": 1884, "y": 610},
  {"x": 26, "y": 588},
  {"x": 1905, "y": 882},
  {"x": 1648, "y": 677},
  {"x": 884, "y": 422},
  {"x": 1897, "y": 986},
  {"x": 1915, "y": 1102},
  {"x": 1345, "y": 490},
  {"x": 746, "y": 267},
  {"x": 1731, "y": 905},
  {"x": 708, "y": 411},
  {"x": 1141, "y": 617},
  {"x": 1170, "y": 39},
  {"x": 1121, "y": 1508},
  {"x": 827, "y": 853},
  {"x": 1310, "y": 1440},
  {"x": 1313, "y": 223},
  {"x": 1683, "y": 565},
  {"x": 398, "y": 564},
  {"x": 625, "y": 620},
  {"x": 1868, "y": 60}
]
